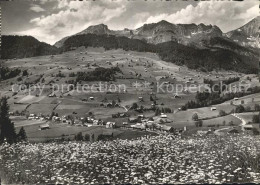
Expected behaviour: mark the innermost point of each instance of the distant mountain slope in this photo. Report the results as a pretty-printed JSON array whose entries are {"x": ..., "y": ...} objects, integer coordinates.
[
  {"x": 207, "y": 59},
  {"x": 222, "y": 54},
  {"x": 24, "y": 46},
  {"x": 100, "y": 29},
  {"x": 164, "y": 31},
  {"x": 247, "y": 35}
]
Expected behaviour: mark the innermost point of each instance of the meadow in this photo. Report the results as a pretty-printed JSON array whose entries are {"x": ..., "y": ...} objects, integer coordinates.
[{"x": 150, "y": 159}]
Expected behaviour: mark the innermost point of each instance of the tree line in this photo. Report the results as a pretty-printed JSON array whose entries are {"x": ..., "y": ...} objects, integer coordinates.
[{"x": 205, "y": 99}]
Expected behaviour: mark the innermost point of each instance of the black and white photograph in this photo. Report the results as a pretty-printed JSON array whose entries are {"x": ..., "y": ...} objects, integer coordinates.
[{"x": 129, "y": 92}]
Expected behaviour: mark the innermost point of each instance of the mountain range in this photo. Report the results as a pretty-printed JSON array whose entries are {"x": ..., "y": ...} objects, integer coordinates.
[
  {"x": 197, "y": 46},
  {"x": 156, "y": 33}
]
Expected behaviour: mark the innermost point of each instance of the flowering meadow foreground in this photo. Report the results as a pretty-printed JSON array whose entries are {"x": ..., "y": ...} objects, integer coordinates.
[{"x": 156, "y": 159}]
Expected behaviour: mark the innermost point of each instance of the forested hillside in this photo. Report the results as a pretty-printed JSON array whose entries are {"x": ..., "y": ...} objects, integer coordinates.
[
  {"x": 24, "y": 46},
  {"x": 218, "y": 53},
  {"x": 220, "y": 56}
]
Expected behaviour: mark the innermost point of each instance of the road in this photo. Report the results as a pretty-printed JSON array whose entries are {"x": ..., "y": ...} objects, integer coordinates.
[{"x": 218, "y": 132}]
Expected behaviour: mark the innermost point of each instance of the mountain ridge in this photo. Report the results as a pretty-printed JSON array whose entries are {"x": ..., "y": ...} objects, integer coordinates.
[
  {"x": 248, "y": 34},
  {"x": 162, "y": 31}
]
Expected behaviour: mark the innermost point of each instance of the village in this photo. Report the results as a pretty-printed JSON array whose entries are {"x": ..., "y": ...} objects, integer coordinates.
[{"x": 139, "y": 92}]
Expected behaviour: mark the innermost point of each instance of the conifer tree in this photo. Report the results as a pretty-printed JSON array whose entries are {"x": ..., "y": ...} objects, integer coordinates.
[
  {"x": 22, "y": 135},
  {"x": 7, "y": 127}
]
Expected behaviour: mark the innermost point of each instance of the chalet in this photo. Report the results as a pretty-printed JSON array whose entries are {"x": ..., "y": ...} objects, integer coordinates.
[
  {"x": 138, "y": 126},
  {"x": 30, "y": 118},
  {"x": 95, "y": 122},
  {"x": 56, "y": 118},
  {"x": 167, "y": 128},
  {"x": 110, "y": 124},
  {"x": 233, "y": 131},
  {"x": 52, "y": 95},
  {"x": 247, "y": 127},
  {"x": 109, "y": 105},
  {"x": 213, "y": 108},
  {"x": 32, "y": 115},
  {"x": 132, "y": 120},
  {"x": 44, "y": 126},
  {"x": 177, "y": 96},
  {"x": 140, "y": 116},
  {"x": 141, "y": 98},
  {"x": 163, "y": 115}
]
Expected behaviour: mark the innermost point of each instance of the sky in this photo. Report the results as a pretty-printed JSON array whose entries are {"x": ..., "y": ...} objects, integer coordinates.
[{"x": 51, "y": 20}]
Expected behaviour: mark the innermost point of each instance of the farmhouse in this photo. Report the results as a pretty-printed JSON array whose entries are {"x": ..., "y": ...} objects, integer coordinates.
[
  {"x": 56, "y": 118},
  {"x": 167, "y": 128},
  {"x": 110, "y": 124},
  {"x": 44, "y": 127},
  {"x": 138, "y": 126},
  {"x": 132, "y": 120},
  {"x": 248, "y": 127},
  {"x": 52, "y": 95},
  {"x": 163, "y": 115},
  {"x": 213, "y": 108}
]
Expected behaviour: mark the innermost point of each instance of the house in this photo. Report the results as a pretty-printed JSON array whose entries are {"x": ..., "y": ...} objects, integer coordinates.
[
  {"x": 91, "y": 98},
  {"x": 132, "y": 120},
  {"x": 56, "y": 118},
  {"x": 44, "y": 126},
  {"x": 233, "y": 131},
  {"x": 213, "y": 108},
  {"x": 52, "y": 95},
  {"x": 138, "y": 126},
  {"x": 167, "y": 128},
  {"x": 95, "y": 122},
  {"x": 247, "y": 127},
  {"x": 110, "y": 124},
  {"x": 141, "y": 98},
  {"x": 177, "y": 96},
  {"x": 32, "y": 115},
  {"x": 30, "y": 118},
  {"x": 163, "y": 115},
  {"x": 140, "y": 116}
]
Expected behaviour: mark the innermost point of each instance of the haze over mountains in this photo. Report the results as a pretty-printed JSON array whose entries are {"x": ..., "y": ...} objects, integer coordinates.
[{"x": 201, "y": 46}]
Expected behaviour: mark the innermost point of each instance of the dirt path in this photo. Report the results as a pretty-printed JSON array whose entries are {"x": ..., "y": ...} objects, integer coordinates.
[{"x": 218, "y": 132}]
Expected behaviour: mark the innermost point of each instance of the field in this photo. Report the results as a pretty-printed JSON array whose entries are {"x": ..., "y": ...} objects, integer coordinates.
[{"x": 154, "y": 159}]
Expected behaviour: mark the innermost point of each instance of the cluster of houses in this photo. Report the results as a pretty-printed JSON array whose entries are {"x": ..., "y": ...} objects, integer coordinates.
[{"x": 142, "y": 123}]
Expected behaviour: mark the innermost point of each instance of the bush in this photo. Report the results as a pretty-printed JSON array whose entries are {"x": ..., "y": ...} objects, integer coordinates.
[
  {"x": 87, "y": 137},
  {"x": 79, "y": 137},
  {"x": 195, "y": 117},
  {"x": 222, "y": 113},
  {"x": 240, "y": 109}
]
